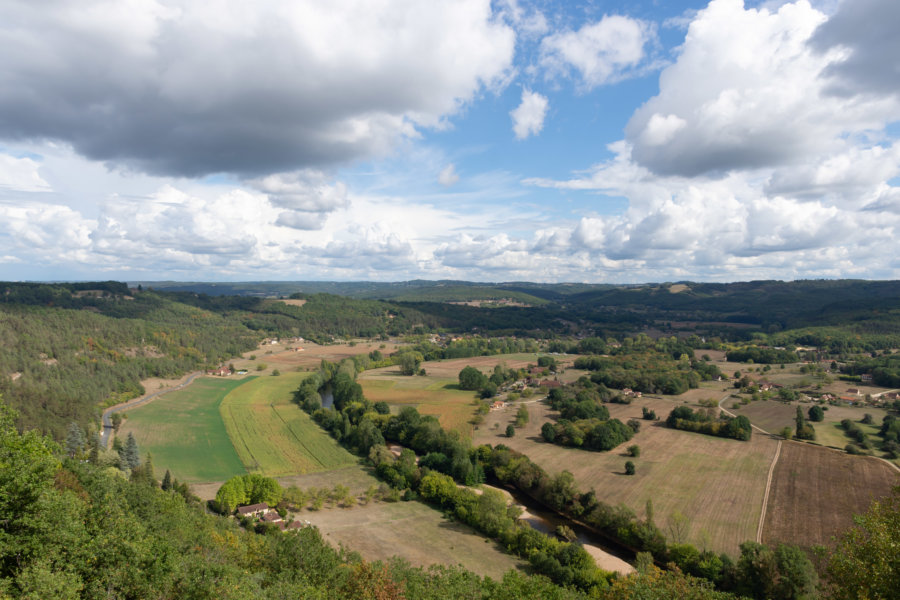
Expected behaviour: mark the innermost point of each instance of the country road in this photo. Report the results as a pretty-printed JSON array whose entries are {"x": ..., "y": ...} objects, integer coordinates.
[{"x": 107, "y": 421}]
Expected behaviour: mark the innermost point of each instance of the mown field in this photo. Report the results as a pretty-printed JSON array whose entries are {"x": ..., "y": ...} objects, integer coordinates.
[
  {"x": 773, "y": 415},
  {"x": 718, "y": 484},
  {"x": 380, "y": 530},
  {"x": 271, "y": 435},
  {"x": 816, "y": 491},
  {"x": 184, "y": 433},
  {"x": 435, "y": 396},
  {"x": 413, "y": 531}
]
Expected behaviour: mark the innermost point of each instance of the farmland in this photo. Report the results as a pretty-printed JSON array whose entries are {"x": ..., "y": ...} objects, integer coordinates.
[
  {"x": 272, "y": 435},
  {"x": 381, "y": 530},
  {"x": 435, "y": 396},
  {"x": 413, "y": 531},
  {"x": 773, "y": 415},
  {"x": 816, "y": 491},
  {"x": 184, "y": 433},
  {"x": 718, "y": 484},
  {"x": 436, "y": 393}
]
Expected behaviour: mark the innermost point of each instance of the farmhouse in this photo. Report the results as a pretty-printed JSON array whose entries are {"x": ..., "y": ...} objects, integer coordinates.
[
  {"x": 498, "y": 404},
  {"x": 222, "y": 371},
  {"x": 272, "y": 517},
  {"x": 253, "y": 510},
  {"x": 866, "y": 377},
  {"x": 853, "y": 391}
]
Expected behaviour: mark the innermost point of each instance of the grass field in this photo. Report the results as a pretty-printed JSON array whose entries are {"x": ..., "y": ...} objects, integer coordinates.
[
  {"x": 773, "y": 415},
  {"x": 718, "y": 484},
  {"x": 816, "y": 491},
  {"x": 435, "y": 396},
  {"x": 184, "y": 433},
  {"x": 272, "y": 435}
]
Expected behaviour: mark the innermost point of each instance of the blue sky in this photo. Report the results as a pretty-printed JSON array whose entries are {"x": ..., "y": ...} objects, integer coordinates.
[{"x": 466, "y": 139}]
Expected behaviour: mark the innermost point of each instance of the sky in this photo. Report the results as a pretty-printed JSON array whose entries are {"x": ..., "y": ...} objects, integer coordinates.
[{"x": 600, "y": 141}]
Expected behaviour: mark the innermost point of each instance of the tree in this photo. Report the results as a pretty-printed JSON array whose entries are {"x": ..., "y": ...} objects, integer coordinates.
[
  {"x": 130, "y": 456},
  {"x": 634, "y": 450},
  {"x": 409, "y": 362},
  {"x": 167, "y": 481},
  {"x": 116, "y": 419},
  {"x": 629, "y": 468},
  {"x": 522, "y": 416},
  {"x": 471, "y": 378},
  {"x": 510, "y": 430},
  {"x": 74, "y": 439},
  {"x": 816, "y": 413},
  {"x": 804, "y": 430},
  {"x": 866, "y": 563}
]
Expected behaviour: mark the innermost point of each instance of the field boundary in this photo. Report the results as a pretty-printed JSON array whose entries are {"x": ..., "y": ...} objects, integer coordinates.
[{"x": 765, "y": 504}]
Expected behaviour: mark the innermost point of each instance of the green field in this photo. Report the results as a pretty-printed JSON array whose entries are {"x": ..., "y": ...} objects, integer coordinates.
[
  {"x": 272, "y": 435},
  {"x": 434, "y": 396},
  {"x": 184, "y": 433}
]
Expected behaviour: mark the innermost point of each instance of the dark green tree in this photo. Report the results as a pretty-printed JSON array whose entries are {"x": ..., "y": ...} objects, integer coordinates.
[
  {"x": 510, "y": 430},
  {"x": 130, "y": 455},
  {"x": 816, "y": 413},
  {"x": 74, "y": 439},
  {"x": 629, "y": 468},
  {"x": 167, "y": 481}
]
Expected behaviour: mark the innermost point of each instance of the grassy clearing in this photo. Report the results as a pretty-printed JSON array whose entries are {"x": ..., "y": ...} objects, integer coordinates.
[
  {"x": 184, "y": 433},
  {"x": 718, "y": 484},
  {"x": 435, "y": 396},
  {"x": 816, "y": 491},
  {"x": 272, "y": 435}
]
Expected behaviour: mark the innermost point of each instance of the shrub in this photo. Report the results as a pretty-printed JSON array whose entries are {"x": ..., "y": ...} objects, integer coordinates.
[
  {"x": 510, "y": 430},
  {"x": 634, "y": 450},
  {"x": 629, "y": 468}
]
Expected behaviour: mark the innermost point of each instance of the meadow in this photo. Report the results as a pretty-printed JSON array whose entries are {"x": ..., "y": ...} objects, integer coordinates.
[
  {"x": 184, "y": 433},
  {"x": 271, "y": 435}
]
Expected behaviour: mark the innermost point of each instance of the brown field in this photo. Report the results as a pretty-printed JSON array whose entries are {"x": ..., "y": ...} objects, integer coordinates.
[
  {"x": 279, "y": 356},
  {"x": 293, "y": 302},
  {"x": 381, "y": 530},
  {"x": 718, "y": 484},
  {"x": 413, "y": 531},
  {"x": 816, "y": 491}
]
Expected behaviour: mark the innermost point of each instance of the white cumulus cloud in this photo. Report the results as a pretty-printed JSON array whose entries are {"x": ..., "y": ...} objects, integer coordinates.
[
  {"x": 528, "y": 117},
  {"x": 601, "y": 52}
]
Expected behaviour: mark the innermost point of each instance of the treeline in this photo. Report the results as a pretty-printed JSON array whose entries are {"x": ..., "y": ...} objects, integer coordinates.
[
  {"x": 686, "y": 419},
  {"x": 664, "y": 366},
  {"x": 764, "y": 356},
  {"x": 471, "y": 346},
  {"x": 885, "y": 369}
]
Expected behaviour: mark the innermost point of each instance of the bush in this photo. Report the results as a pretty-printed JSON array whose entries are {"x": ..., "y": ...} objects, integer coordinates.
[
  {"x": 634, "y": 450},
  {"x": 629, "y": 468},
  {"x": 510, "y": 430}
]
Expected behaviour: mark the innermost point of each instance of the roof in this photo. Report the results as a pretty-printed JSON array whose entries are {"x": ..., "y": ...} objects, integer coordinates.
[{"x": 252, "y": 508}]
